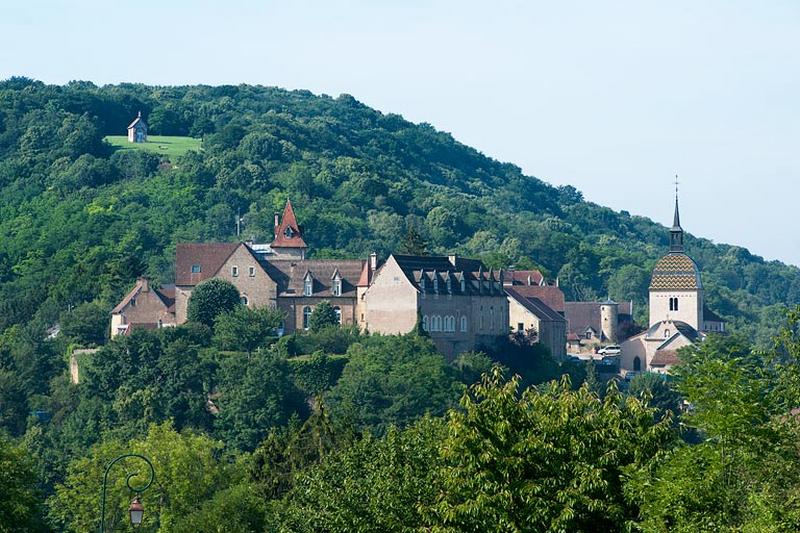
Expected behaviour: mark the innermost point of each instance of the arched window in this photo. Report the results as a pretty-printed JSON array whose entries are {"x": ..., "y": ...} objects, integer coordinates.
[
  {"x": 451, "y": 323},
  {"x": 666, "y": 334},
  {"x": 425, "y": 323},
  {"x": 308, "y": 285},
  {"x": 637, "y": 364},
  {"x": 673, "y": 304},
  {"x": 463, "y": 323},
  {"x": 244, "y": 300},
  {"x": 437, "y": 323},
  {"x": 306, "y": 316},
  {"x": 338, "y": 312}
]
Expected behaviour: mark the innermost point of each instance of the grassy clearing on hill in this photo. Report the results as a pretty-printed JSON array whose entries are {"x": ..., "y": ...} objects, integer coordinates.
[{"x": 165, "y": 145}]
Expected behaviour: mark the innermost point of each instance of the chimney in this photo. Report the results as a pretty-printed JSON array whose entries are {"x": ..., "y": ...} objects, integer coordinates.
[
  {"x": 277, "y": 224},
  {"x": 145, "y": 284},
  {"x": 453, "y": 259},
  {"x": 373, "y": 261}
]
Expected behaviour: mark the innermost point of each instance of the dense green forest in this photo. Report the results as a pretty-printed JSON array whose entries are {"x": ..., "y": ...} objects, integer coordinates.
[{"x": 336, "y": 430}]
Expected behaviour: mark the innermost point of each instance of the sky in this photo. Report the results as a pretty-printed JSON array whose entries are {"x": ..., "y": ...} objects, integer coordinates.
[{"x": 612, "y": 97}]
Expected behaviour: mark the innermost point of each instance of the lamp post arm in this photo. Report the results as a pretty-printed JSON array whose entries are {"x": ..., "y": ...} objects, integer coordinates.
[{"x": 137, "y": 490}]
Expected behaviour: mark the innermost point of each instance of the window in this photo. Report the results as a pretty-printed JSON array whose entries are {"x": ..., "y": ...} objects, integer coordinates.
[
  {"x": 288, "y": 232},
  {"x": 251, "y": 271},
  {"x": 463, "y": 324},
  {"x": 449, "y": 285},
  {"x": 666, "y": 334},
  {"x": 306, "y": 316},
  {"x": 338, "y": 312},
  {"x": 422, "y": 282},
  {"x": 160, "y": 323},
  {"x": 235, "y": 271},
  {"x": 337, "y": 287},
  {"x": 463, "y": 285},
  {"x": 589, "y": 335},
  {"x": 244, "y": 300},
  {"x": 196, "y": 269},
  {"x": 133, "y": 302},
  {"x": 308, "y": 286},
  {"x": 424, "y": 323},
  {"x": 436, "y": 323},
  {"x": 673, "y": 304},
  {"x": 450, "y": 323},
  {"x": 520, "y": 326},
  {"x": 637, "y": 364},
  {"x": 491, "y": 317},
  {"x": 435, "y": 283}
]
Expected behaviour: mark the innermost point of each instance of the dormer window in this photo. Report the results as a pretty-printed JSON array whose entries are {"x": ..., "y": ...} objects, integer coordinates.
[
  {"x": 435, "y": 282},
  {"x": 422, "y": 281},
  {"x": 196, "y": 269},
  {"x": 463, "y": 284},
  {"x": 288, "y": 232},
  {"x": 336, "y": 289},
  {"x": 449, "y": 285},
  {"x": 308, "y": 286}
]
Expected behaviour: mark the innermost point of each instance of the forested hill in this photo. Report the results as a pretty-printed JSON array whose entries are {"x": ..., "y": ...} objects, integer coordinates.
[{"x": 80, "y": 220}]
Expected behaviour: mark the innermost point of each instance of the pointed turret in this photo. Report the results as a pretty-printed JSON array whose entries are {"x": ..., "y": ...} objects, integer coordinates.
[
  {"x": 288, "y": 234},
  {"x": 676, "y": 232}
]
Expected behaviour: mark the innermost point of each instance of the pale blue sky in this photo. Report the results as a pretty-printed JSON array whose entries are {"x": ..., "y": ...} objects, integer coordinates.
[{"x": 612, "y": 97}]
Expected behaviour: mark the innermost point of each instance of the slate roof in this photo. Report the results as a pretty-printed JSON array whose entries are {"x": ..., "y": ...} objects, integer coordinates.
[
  {"x": 424, "y": 271},
  {"x": 682, "y": 327},
  {"x": 665, "y": 357},
  {"x": 290, "y": 275},
  {"x": 539, "y": 309},
  {"x": 675, "y": 271},
  {"x": 552, "y": 296},
  {"x": 288, "y": 234},
  {"x": 210, "y": 256},
  {"x": 137, "y": 120}
]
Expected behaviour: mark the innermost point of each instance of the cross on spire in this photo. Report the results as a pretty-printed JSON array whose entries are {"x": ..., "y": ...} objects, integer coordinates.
[{"x": 676, "y": 232}]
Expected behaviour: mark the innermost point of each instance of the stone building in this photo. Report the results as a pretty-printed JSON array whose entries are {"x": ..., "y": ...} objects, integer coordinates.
[
  {"x": 597, "y": 323},
  {"x": 137, "y": 130},
  {"x": 460, "y": 303},
  {"x": 678, "y": 315},
  {"x": 144, "y": 307},
  {"x": 535, "y": 305}
]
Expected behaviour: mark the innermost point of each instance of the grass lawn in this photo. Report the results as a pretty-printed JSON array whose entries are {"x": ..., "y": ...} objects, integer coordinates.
[{"x": 171, "y": 147}]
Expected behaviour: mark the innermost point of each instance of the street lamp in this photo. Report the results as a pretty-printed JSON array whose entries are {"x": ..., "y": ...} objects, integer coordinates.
[{"x": 136, "y": 509}]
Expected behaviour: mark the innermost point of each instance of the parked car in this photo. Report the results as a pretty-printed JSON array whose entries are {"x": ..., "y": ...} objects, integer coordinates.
[{"x": 611, "y": 349}]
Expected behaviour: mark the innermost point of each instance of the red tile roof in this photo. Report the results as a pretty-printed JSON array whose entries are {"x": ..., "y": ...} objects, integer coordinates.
[
  {"x": 166, "y": 293},
  {"x": 523, "y": 277},
  {"x": 551, "y": 295},
  {"x": 290, "y": 275},
  {"x": 535, "y": 306},
  {"x": 665, "y": 357},
  {"x": 208, "y": 256},
  {"x": 288, "y": 233}
]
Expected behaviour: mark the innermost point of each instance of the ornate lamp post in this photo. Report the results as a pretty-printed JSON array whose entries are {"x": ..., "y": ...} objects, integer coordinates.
[{"x": 136, "y": 509}]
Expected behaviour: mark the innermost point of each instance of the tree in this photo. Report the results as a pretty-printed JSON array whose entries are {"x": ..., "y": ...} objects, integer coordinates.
[
  {"x": 189, "y": 469},
  {"x": 654, "y": 389},
  {"x": 246, "y": 329},
  {"x": 551, "y": 459},
  {"x": 255, "y": 395},
  {"x": 393, "y": 380},
  {"x": 210, "y": 299},
  {"x": 20, "y": 499},
  {"x": 323, "y": 316},
  {"x": 413, "y": 242},
  {"x": 87, "y": 324},
  {"x": 373, "y": 485}
]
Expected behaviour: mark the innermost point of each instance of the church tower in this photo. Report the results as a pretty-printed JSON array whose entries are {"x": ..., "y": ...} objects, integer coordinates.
[{"x": 676, "y": 290}]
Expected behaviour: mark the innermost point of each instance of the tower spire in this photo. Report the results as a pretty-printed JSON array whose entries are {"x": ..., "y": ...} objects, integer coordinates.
[{"x": 676, "y": 232}]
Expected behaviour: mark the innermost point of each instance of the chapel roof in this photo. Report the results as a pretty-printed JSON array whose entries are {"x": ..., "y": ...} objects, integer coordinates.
[
  {"x": 676, "y": 271},
  {"x": 137, "y": 120}
]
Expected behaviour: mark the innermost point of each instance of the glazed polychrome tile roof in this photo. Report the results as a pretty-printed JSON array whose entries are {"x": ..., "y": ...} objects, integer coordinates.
[{"x": 675, "y": 271}]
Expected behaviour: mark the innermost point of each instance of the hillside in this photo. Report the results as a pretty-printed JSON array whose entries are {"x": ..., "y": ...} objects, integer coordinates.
[
  {"x": 169, "y": 146},
  {"x": 81, "y": 220}
]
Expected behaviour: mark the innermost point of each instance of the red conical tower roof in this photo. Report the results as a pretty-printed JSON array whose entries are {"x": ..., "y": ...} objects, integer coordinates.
[{"x": 287, "y": 232}]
